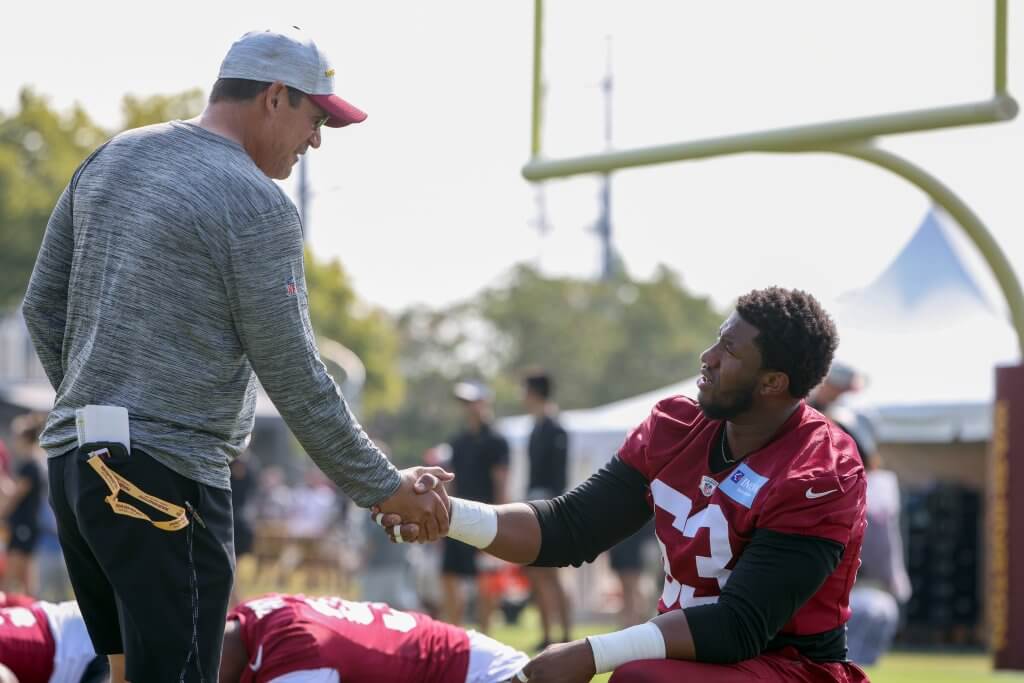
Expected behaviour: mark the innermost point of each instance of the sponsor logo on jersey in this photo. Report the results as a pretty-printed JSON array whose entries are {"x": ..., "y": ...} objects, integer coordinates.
[
  {"x": 708, "y": 485},
  {"x": 743, "y": 485}
]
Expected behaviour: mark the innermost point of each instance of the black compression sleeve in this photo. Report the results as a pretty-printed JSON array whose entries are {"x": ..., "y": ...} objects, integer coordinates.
[
  {"x": 776, "y": 574},
  {"x": 580, "y": 525}
]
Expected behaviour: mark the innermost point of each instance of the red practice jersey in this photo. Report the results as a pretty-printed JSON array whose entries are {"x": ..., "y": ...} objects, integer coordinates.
[
  {"x": 364, "y": 642},
  {"x": 807, "y": 480},
  {"x": 26, "y": 644}
]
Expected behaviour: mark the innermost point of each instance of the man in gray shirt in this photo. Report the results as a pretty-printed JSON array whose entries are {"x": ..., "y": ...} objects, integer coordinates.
[{"x": 169, "y": 278}]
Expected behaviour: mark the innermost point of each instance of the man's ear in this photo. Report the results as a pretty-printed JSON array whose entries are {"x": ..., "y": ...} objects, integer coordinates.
[
  {"x": 774, "y": 384},
  {"x": 275, "y": 96}
]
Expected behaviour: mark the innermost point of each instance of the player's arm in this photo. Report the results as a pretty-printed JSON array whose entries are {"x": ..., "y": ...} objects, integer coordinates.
[
  {"x": 45, "y": 305},
  {"x": 263, "y": 271},
  {"x": 774, "y": 577},
  {"x": 46, "y": 300},
  {"x": 568, "y": 530},
  {"x": 776, "y": 574}
]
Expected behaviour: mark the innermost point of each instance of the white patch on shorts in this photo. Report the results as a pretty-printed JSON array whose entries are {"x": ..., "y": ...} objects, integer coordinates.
[{"x": 74, "y": 649}]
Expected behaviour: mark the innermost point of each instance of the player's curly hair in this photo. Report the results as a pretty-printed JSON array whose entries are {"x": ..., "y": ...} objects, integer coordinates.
[{"x": 797, "y": 336}]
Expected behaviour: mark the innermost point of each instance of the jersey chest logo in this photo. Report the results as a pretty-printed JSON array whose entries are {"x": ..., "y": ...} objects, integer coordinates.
[
  {"x": 742, "y": 485},
  {"x": 708, "y": 485}
]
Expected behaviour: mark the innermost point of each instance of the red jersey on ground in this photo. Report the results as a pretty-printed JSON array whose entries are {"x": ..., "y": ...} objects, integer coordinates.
[
  {"x": 363, "y": 642},
  {"x": 15, "y": 600},
  {"x": 807, "y": 480},
  {"x": 26, "y": 644}
]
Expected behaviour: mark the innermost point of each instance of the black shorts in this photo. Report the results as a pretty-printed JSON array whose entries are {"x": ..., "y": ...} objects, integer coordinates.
[
  {"x": 627, "y": 555},
  {"x": 24, "y": 538},
  {"x": 160, "y": 597},
  {"x": 459, "y": 558}
]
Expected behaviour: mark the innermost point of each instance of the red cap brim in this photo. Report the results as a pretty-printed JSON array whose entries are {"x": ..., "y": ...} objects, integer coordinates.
[{"x": 341, "y": 112}]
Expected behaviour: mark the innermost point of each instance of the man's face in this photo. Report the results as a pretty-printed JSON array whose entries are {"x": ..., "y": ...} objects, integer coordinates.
[
  {"x": 287, "y": 132},
  {"x": 730, "y": 371}
]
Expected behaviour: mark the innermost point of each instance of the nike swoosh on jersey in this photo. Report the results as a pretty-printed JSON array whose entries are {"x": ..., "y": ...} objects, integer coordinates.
[
  {"x": 812, "y": 494},
  {"x": 255, "y": 666}
]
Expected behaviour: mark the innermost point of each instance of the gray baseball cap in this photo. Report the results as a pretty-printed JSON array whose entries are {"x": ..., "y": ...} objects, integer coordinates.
[
  {"x": 294, "y": 59},
  {"x": 471, "y": 392}
]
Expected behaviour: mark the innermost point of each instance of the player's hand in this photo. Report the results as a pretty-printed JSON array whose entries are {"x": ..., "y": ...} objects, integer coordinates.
[
  {"x": 420, "y": 503},
  {"x": 562, "y": 663}
]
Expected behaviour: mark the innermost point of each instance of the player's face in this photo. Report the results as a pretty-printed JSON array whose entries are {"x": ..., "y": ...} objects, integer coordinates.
[
  {"x": 289, "y": 132},
  {"x": 730, "y": 371}
]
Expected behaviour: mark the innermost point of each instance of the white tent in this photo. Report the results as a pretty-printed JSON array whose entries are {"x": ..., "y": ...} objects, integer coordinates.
[
  {"x": 929, "y": 333},
  {"x": 926, "y": 332}
]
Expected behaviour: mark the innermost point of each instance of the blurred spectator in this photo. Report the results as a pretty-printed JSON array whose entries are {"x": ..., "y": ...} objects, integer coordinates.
[
  {"x": 627, "y": 560},
  {"x": 243, "y": 486},
  {"x": 275, "y": 496},
  {"x": 882, "y": 582},
  {"x": 825, "y": 398},
  {"x": 5, "y": 460},
  {"x": 385, "y": 573},
  {"x": 480, "y": 459},
  {"x": 314, "y": 506},
  {"x": 20, "y": 506},
  {"x": 548, "y": 452}
]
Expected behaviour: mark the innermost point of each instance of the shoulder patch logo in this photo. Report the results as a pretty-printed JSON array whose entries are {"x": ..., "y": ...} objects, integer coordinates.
[
  {"x": 290, "y": 287},
  {"x": 743, "y": 484},
  {"x": 329, "y": 73},
  {"x": 708, "y": 485}
]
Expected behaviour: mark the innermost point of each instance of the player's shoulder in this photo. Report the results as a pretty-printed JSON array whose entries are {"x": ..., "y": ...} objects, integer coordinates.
[
  {"x": 818, "y": 456},
  {"x": 671, "y": 424},
  {"x": 677, "y": 411}
]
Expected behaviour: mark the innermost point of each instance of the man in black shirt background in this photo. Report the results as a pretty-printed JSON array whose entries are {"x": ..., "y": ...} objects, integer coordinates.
[
  {"x": 480, "y": 464},
  {"x": 21, "y": 496},
  {"x": 548, "y": 455}
]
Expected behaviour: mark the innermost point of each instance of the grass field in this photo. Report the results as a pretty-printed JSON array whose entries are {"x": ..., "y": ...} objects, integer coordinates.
[{"x": 897, "y": 667}]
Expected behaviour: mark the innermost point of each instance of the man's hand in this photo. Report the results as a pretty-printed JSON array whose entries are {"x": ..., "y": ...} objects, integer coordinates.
[
  {"x": 420, "y": 502},
  {"x": 563, "y": 663}
]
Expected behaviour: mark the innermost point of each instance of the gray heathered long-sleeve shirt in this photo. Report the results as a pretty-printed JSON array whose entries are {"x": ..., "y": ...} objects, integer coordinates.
[{"x": 171, "y": 269}]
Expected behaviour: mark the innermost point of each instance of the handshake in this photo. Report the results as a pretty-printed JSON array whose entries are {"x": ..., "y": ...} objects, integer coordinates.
[{"x": 420, "y": 510}]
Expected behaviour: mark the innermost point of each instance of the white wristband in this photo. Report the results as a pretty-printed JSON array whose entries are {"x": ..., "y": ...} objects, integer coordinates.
[
  {"x": 612, "y": 650},
  {"x": 472, "y": 522}
]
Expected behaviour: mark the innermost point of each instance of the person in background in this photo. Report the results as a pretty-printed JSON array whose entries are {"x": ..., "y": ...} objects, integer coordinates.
[
  {"x": 882, "y": 581},
  {"x": 840, "y": 381},
  {"x": 548, "y": 452},
  {"x": 627, "y": 561},
  {"x": 479, "y": 461},
  {"x": 22, "y": 501}
]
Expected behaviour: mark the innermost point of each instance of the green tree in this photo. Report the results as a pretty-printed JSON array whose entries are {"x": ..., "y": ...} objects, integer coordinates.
[
  {"x": 40, "y": 149},
  {"x": 337, "y": 314},
  {"x": 143, "y": 111},
  {"x": 603, "y": 341}
]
